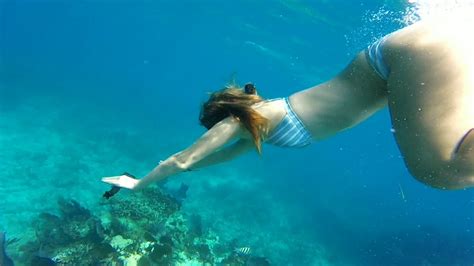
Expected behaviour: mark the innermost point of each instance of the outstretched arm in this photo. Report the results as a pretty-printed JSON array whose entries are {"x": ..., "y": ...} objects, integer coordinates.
[
  {"x": 205, "y": 150},
  {"x": 226, "y": 153}
]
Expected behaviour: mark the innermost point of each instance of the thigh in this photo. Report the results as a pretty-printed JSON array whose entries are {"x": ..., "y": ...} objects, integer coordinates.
[{"x": 431, "y": 108}]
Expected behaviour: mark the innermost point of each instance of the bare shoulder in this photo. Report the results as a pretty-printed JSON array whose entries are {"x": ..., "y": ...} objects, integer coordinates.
[{"x": 274, "y": 110}]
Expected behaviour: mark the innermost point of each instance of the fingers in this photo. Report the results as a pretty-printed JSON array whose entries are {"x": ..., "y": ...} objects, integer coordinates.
[
  {"x": 107, "y": 179},
  {"x": 112, "y": 177},
  {"x": 111, "y": 182},
  {"x": 121, "y": 181}
]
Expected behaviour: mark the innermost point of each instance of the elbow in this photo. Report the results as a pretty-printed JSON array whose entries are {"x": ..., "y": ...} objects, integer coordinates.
[{"x": 180, "y": 163}]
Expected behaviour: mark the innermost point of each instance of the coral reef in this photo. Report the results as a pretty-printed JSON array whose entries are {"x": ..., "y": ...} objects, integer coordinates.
[
  {"x": 73, "y": 235},
  {"x": 145, "y": 228},
  {"x": 147, "y": 211}
]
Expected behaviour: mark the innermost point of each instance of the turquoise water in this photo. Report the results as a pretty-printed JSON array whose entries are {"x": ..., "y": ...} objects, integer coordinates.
[{"x": 95, "y": 88}]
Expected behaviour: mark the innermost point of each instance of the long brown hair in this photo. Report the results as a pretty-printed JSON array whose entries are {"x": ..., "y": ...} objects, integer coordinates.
[{"x": 234, "y": 101}]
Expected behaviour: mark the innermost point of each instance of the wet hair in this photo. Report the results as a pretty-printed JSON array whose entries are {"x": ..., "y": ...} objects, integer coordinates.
[{"x": 235, "y": 101}]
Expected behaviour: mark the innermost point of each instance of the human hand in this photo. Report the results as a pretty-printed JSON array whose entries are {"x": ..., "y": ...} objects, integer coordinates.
[{"x": 123, "y": 181}]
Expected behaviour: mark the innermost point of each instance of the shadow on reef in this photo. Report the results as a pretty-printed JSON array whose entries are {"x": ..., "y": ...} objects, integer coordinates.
[{"x": 144, "y": 228}]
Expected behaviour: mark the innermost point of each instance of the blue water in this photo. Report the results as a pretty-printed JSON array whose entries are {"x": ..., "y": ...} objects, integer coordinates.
[{"x": 95, "y": 88}]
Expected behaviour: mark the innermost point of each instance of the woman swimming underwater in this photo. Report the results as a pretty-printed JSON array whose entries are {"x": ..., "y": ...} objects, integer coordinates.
[{"x": 423, "y": 72}]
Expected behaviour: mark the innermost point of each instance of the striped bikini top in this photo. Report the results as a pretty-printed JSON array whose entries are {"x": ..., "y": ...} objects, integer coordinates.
[{"x": 290, "y": 132}]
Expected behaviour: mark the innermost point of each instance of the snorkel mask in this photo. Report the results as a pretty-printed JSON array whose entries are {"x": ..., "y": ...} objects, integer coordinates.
[{"x": 249, "y": 88}]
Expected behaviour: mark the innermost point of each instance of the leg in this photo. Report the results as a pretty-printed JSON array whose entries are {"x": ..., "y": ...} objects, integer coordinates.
[
  {"x": 463, "y": 159},
  {"x": 427, "y": 161},
  {"x": 465, "y": 144},
  {"x": 433, "y": 122}
]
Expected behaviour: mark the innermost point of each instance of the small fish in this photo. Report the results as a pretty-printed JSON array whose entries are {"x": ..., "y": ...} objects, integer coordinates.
[
  {"x": 243, "y": 251},
  {"x": 4, "y": 259}
]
